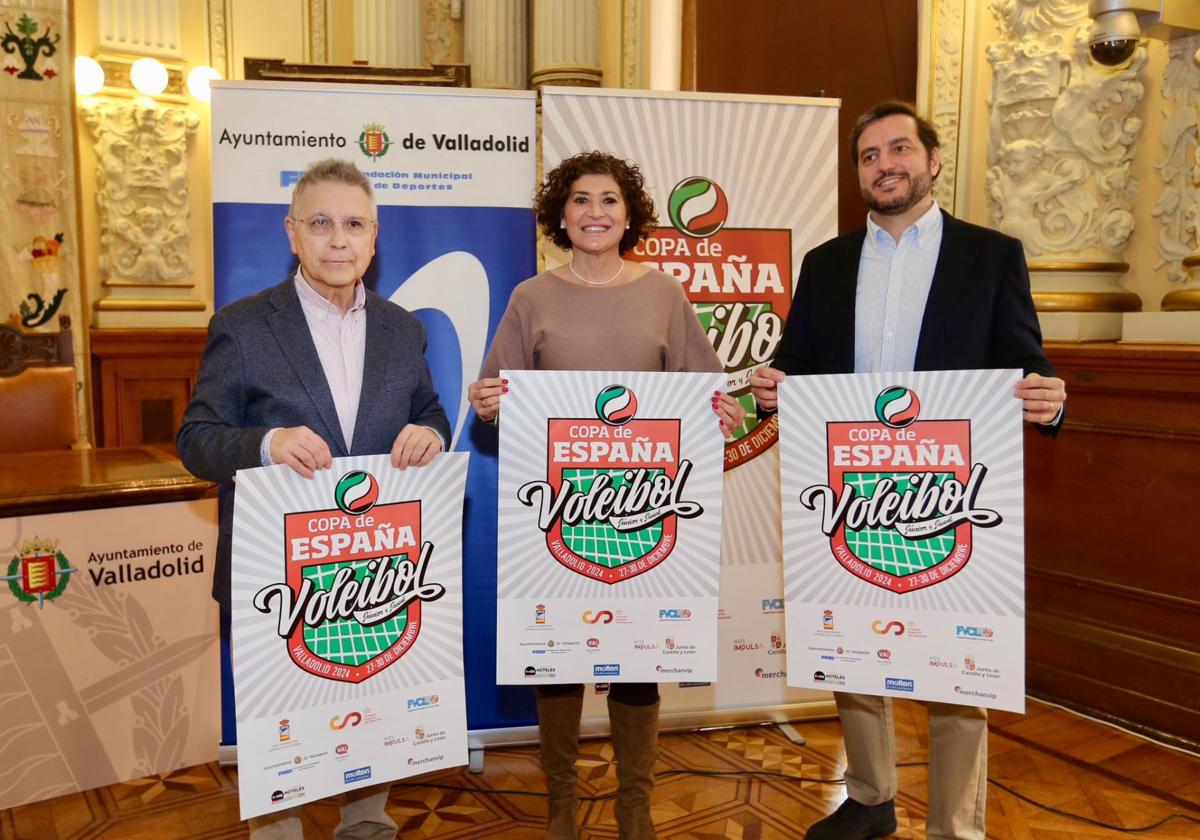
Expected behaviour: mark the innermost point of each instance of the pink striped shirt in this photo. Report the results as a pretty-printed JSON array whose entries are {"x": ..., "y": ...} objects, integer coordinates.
[{"x": 341, "y": 342}]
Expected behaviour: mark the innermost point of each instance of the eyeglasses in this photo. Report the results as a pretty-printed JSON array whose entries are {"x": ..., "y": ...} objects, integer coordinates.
[{"x": 319, "y": 225}]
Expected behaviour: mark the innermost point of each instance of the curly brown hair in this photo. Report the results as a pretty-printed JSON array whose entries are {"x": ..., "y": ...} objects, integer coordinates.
[{"x": 552, "y": 196}]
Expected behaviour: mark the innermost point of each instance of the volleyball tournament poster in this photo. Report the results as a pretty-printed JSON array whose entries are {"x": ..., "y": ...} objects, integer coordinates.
[
  {"x": 609, "y": 527},
  {"x": 904, "y": 535},
  {"x": 733, "y": 229},
  {"x": 347, "y": 627}
]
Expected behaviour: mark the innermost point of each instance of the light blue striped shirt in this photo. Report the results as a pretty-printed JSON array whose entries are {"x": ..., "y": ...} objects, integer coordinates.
[{"x": 893, "y": 284}]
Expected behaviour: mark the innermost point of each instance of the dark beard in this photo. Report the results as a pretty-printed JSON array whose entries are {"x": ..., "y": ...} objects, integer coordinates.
[{"x": 918, "y": 187}]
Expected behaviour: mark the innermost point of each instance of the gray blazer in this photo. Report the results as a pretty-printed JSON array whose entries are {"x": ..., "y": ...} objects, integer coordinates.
[{"x": 260, "y": 370}]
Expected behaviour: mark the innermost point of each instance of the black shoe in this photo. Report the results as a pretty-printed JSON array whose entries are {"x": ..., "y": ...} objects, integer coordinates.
[{"x": 854, "y": 821}]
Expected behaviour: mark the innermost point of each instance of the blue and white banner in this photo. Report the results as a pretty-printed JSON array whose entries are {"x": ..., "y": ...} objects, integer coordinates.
[{"x": 454, "y": 173}]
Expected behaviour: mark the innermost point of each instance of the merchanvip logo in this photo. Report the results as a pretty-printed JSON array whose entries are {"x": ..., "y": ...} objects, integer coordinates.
[
  {"x": 355, "y": 583},
  {"x": 902, "y": 498},
  {"x": 614, "y": 490}
]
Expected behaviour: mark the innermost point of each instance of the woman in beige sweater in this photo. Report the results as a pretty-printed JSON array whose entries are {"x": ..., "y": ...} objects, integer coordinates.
[{"x": 565, "y": 319}]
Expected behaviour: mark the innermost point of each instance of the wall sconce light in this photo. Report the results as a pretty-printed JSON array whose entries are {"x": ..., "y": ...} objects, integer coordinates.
[
  {"x": 149, "y": 76},
  {"x": 89, "y": 76},
  {"x": 197, "y": 82}
]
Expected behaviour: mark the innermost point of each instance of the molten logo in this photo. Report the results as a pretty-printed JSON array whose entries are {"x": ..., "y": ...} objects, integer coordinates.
[
  {"x": 894, "y": 628},
  {"x": 697, "y": 207},
  {"x": 599, "y": 616},
  {"x": 341, "y": 722},
  {"x": 356, "y": 492},
  {"x": 616, "y": 405},
  {"x": 897, "y": 407}
]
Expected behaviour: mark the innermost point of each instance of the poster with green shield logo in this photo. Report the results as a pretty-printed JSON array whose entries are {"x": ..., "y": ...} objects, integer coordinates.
[
  {"x": 609, "y": 527},
  {"x": 903, "y": 535},
  {"x": 347, "y": 627}
]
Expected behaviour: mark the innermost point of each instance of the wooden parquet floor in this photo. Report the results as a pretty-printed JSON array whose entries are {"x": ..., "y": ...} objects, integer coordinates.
[{"x": 1049, "y": 755}]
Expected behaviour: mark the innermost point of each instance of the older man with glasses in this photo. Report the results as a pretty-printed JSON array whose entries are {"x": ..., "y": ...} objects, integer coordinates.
[{"x": 286, "y": 378}]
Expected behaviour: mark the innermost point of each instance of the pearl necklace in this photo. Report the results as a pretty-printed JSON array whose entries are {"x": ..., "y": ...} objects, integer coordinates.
[{"x": 583, "y": 279}]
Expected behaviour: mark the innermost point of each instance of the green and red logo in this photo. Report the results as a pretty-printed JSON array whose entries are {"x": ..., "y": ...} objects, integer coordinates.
[
  {"x": 613, "y": 493},
  {"x": 374, "y": 141},
  {"x": 39, "y": 572},
  {"x": 739, "y": 283},
  {"x": 355, "y": 583},
  {"x": 356, "y": 492},
  {"x": 697, "y": 207},
  {"x": 902, "y": 497}
]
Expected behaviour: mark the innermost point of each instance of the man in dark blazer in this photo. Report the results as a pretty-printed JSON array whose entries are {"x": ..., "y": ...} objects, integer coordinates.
[
  {"x": 314, "y": 368},
  {"x": 917, "y": 290}
]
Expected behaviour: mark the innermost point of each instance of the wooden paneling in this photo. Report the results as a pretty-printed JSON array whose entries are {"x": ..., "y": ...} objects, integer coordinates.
[
  {"x": 1113, "y": 588},
  {"x": 142, "y": 381},
  {"x": 862, "y": 53}
]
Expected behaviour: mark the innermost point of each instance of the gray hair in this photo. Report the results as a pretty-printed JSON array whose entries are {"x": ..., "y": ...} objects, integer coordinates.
[{"x": 332, "y": 170}]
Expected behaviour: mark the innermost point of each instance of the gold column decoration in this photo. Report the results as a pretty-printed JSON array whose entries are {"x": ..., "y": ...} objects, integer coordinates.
[
  {"x": 496, "y": 45},
  {"x": 566, "y": 43},
  {"x": 1185, "y": 300}
]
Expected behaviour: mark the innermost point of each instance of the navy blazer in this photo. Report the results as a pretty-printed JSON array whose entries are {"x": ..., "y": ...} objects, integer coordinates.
[
  {"x": 260, "y": 370},
  {"x": 979, "y": 313}
]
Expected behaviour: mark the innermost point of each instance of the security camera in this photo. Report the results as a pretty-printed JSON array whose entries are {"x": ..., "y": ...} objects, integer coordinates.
[
  {"x": 1113, "y": 37},
  {"x": 1117, "y": 25}
]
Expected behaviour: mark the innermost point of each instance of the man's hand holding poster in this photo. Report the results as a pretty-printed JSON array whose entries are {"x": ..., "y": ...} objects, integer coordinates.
[
  {"x": 903, "y": 535},
  {"x": 609, "y": 527},
  {"x": 347, "y": 627}
]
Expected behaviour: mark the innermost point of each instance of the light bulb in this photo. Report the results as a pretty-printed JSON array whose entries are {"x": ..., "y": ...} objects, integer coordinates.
[
  {"x": 148, "y": 76},
  {"x": 89, "y": 76},
  {"x": 197, "y": 82}
]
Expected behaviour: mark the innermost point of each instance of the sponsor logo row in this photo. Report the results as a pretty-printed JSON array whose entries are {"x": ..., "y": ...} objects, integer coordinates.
[{"x": 830, "y": 626}]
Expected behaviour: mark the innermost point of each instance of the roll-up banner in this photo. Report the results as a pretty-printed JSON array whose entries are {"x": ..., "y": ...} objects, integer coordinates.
[
  {"x": 743, "y": 187},
  {"x": 453, "y": 172}
]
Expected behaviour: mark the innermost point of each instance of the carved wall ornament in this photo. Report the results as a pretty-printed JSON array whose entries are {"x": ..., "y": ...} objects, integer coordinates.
[
  {"x": 1062, "y": 132},
  {"x": 1178, "y": 205},
  {"x": 946, "y": 93},
  {"x": 218, "y": 37},
  {"x": 141, "y": 188},
  {"x": 437, "y": 37}
]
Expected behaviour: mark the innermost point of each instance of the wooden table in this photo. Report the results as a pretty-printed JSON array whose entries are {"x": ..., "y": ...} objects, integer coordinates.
[{"x": 63, "y": 480}]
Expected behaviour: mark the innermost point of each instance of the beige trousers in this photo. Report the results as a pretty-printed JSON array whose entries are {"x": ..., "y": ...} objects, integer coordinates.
[
  {"x": 363, "y": 818},
  {"x": 957, "y": 761}
]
